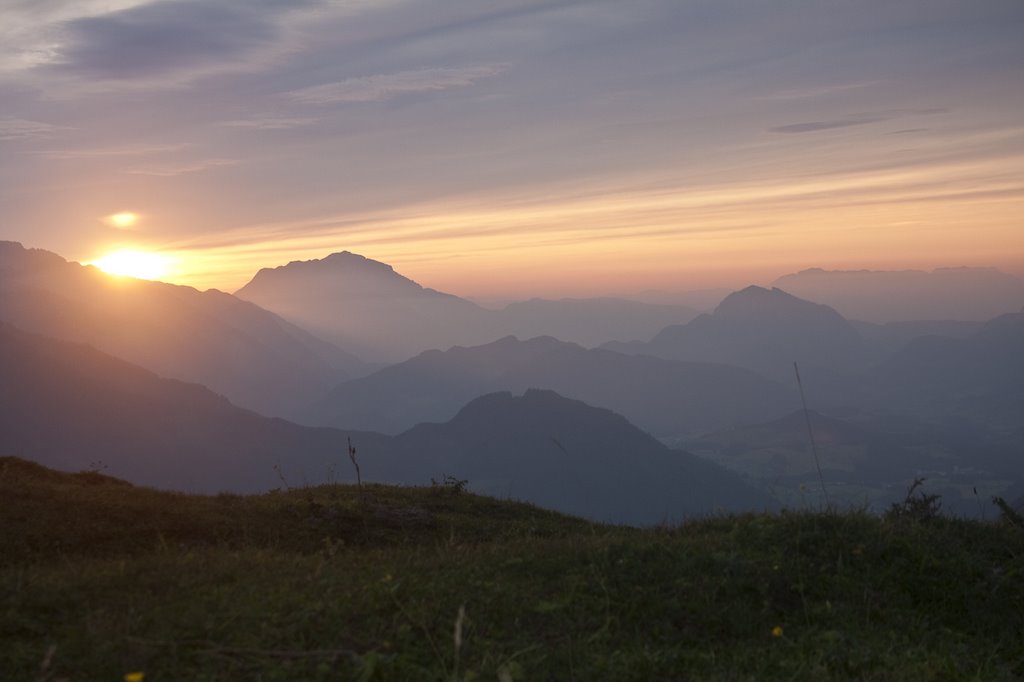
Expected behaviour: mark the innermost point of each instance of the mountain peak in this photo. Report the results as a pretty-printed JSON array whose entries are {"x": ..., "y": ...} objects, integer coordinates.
[
  {"x": 14, "y": 256},
  {"x": 349, "y": 260},
  {"x": 338, "y": 261},
  {"x": 755, "y": 300},
  {"x": 356, "y": 274}
]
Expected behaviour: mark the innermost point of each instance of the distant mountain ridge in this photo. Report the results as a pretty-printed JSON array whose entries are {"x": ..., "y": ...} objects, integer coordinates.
[
  {"x": 590, "y": 321},
  {"x": 369, "y": 309},
  {"x": 232, "y": 346},
  {"x": 71, "y": 407},
  {"x": 366, "y": 307},
  {"x": 576, "y": 459},
  {"x": 764, "y": 330},
  {"x": 978, "y": 378},
  {"x": 976, "y": 294},
  {"x": 661, "y": 396}
]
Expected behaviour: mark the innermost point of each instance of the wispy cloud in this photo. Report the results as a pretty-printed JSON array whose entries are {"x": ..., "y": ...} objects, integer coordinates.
[
  {"x": 269, "y": 123},
  {"x": 854, "y": 120},
  {"x": 32, "y": 31},
  {"x": 819, "y": 91},
  {"x": 908, "y": 131},
  {"x": 141, "y": 149},
  {"x": 21, "y": 129},
  {"x": 67, "y": 48},
  {"x": 814, "y": 126},
  {"x": 167, "y": 37},
  {"x": 172, "y": 169},
  {"x": 386, "y": 85}
]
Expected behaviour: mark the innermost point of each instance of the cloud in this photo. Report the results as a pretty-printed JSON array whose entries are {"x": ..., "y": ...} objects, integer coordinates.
[
  {"x": 30, "y": 30},
  {"x": 818, "y": 91},
  {"x": 907, "y": 131},
  {"x": 269, "y": 123},
  {"x": 814, "y": 126},
  {"x": 384, "y": 86},
  {"x": 163, "y": 43},
  {"x": 171, "y": 169},
  {"x": 21, "y": 129},
  {"x": 119, "y": 150},
  {"x": 160, "y": 38},
  {"x": 854, "y": 120}
]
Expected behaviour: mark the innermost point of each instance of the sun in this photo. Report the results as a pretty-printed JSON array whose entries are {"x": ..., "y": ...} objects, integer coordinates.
[{"x": 138, "y": 264}]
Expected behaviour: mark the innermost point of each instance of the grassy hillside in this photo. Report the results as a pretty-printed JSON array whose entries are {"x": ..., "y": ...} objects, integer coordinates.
[{"x": 99, "y": 578}]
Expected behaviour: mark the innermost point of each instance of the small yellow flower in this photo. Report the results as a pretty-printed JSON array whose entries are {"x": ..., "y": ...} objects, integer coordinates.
[
  {"x": 777, "y": 631},
  {"x": 133, "y": 677}
]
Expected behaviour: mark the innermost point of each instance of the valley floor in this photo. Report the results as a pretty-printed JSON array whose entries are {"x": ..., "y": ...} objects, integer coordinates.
[{"x": 99, "y": 579}]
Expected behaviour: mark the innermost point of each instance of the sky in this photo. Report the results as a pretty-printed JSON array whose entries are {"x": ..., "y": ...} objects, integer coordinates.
[{"x": 515, "y": 147}]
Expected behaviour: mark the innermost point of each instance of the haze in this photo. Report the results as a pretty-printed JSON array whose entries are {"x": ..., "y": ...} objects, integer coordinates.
[{"x": 516, "y": 149}]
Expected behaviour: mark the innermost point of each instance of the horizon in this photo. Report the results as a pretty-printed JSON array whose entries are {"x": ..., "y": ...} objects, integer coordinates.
[
  {"x": 665, "y": 146},
  {"x": 115, "y": 267}
]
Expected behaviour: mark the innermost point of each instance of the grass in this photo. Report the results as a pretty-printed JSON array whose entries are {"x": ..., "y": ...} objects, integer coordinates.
[{"x": 99, "y": 579}]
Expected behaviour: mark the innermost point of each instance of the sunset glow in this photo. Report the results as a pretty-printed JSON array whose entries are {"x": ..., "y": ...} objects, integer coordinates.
[{"x": 138, "y": 264}]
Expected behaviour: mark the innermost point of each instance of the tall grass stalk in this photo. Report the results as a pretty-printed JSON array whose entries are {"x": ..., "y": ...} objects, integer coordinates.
[
  {"x": 810, "y": 434},
  {"x": 355, "y": 463}
]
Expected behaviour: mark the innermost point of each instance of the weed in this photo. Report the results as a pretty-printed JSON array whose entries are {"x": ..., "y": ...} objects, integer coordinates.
[
  {"x": 96, "y": 467},
  {"x": 1009, "y": 515},
  {"x": 810, "y": 433},
  {"x": 920, "y": 508},
  {"x": 449, "y": 484},
  {"x": 355, "y": 463},
  {"x": 280, "y": 475}
]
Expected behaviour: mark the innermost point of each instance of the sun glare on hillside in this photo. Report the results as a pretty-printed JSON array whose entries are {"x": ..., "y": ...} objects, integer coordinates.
[
  {"x": 122, "y": 220},
  {"x": 138, "y": 264}
]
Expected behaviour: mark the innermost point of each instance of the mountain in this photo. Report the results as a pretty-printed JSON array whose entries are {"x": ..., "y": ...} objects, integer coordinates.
[
  {"x": 252, "y": 356},
  {"x": 565, "y": 455},
  {"x": 887, "y": 296},
  {"x": 892, "y": 336},
  {"x": 590, "y": 321},
  {"x": 366, "y": 307},
  {"x": 978, "y": 379},
  {"x": 661, "y": 396},
  {"x": 765, "y": 330},
  {"x": 72, "y": 407}
]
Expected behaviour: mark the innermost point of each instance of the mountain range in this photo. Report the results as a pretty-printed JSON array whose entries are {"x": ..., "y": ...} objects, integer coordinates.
[
  {"x": 764, "y": 330},
  {"x": 976, "y": 379},
  {"x": 367, "y": 308},
  {"x": 576, "y": 459},
  {"x": 235, "y": 348},
  {"x": 977, "y": 294},
  {"x": 72, "y": 407},
  {"x": 664, "y": 397},
  {"x": 178, "y": 388}
]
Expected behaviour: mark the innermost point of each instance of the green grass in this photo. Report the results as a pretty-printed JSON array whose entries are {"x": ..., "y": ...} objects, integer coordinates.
[{"x": 316, "y": 584}]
